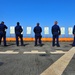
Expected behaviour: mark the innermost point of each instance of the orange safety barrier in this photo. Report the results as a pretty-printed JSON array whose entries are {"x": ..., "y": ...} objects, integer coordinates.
[{"x": 43, "y": 39}]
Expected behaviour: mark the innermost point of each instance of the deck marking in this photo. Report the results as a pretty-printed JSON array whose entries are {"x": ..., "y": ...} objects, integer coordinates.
[
  {"x": 58, "y": 67},
  {"x": 9, "y": 52},
  {"x": 32, "y": 52},
  {"x": 44, "y": 52}
]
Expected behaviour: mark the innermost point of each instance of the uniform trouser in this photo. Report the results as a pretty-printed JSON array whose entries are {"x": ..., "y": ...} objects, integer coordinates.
[
  {"x": 74, "y": 41},
  {"x": 4, "y": 38},
  {"x": 0, "y": 40},
  {"x": 36, "y": 39},
  {"x": 55, "y": 37},
  {"x": 17, "y": 39}
]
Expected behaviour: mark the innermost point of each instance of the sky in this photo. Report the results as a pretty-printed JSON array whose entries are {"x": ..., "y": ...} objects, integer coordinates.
[{"x": 29, "y": 12}]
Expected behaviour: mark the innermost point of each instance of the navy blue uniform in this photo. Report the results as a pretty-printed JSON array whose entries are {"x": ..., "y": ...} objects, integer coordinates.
[
  {"x": 74, "y": 36},
  {"x": 18, "y": 31},
  {"x": 56, "y": 32},
  {"x": 37, "y": 31},
  {"x": 3, "y": 33}
]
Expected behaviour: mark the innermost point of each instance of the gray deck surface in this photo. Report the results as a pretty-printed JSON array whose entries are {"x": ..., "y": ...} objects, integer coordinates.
[{"x": 32, "y": 64}]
